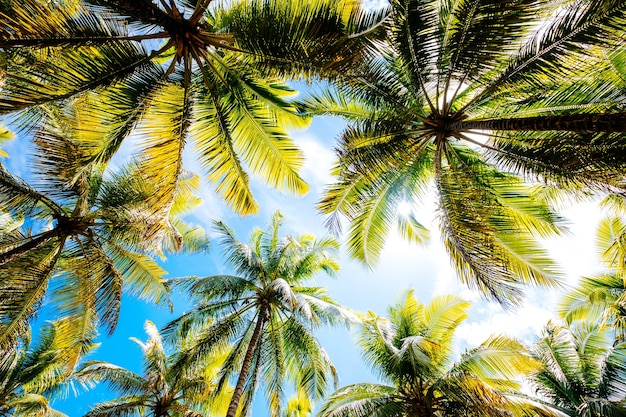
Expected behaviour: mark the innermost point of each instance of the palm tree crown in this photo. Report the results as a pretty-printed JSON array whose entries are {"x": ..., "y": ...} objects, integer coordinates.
[
  {"x": 602, "y": 297},
  {"x": 584, "y": 374},
  {"x": 268, "y": 312},
  {"x": 411, "y": 350},
  {"x": 87, "y": 236},
  {"x": 32, "y": 374},
  {"x": 477, "y": 97},
  {"x": 166, "y": 389},
  {"x": 206, "y": 70}
]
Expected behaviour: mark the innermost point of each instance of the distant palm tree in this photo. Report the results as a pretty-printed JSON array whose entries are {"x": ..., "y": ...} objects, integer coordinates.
[
  {"x": 268, "y": 313},
  {"x": 412, "y": 352},
  {"x": 483, "y": 99},
  {"x": 584, "y": 375},
  {"x": 164, "y": 389},
  {"x": 31, "y": 375},
  {"x": 602, "y": 297},
  {"x": 299, "y": 405},
  {"x": 85, "y": 236},
  {"x": 207, "y": 70}
]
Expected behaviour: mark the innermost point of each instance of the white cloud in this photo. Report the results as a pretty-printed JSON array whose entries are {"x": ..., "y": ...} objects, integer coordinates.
[
  {"x": 319, "y": 162},
  {"x": 523, "y": 324}
]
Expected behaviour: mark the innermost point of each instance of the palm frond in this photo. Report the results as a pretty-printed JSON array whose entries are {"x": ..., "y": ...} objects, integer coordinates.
[{"x": 486, "y": 219}]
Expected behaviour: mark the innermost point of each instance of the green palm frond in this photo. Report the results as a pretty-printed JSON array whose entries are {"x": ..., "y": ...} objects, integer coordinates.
[
  {"x": 593, "y": 296},
  {"x": 154, "y": 67},
  {"x": 580, "y": 372},
  {"x": 32, "y": 374},
  {"x": 489, "y": 99},
  {"x": 169, "y": 381},
  {"x": 610, "y": 237},
  {"x": 412, "y": 350},
  {"x": 364, "y": 400},
  {"x": 442, "y": 316},
  {"x": 308, "y": 39},
  {"x": 602, "y": 297},
  {"x": 489, "y": 219},
  {"x": 118, "y": 378},
  {"x": 24, "y": 284},
  {"x": 89, "y": 229},
  {"x": 123, "y": 407},
  {"x": 564, "y": 40},
  {"x": 500, "y": 361}
]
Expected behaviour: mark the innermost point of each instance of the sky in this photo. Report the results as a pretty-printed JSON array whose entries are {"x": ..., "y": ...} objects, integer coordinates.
[{"x": 402, "y": 266}]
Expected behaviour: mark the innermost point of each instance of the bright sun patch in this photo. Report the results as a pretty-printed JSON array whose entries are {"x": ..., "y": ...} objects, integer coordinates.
[{"x": 404, "y": 208}]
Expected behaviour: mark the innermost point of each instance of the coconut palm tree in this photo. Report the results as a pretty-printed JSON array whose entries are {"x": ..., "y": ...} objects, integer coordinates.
[
  {"x": 477, "y": 97},
  {"x": 206, "y": 70},
  {"x": 584, "y": 374},
  {"x": 412, "y": 352},
  {"x": 164, "y": 390},
  {"x": 84, "y": 236},
  {"x": 603, "y": 297},
  {"x": 299, "y": 405},
  {"x": 268, "y": 313},
  {"x": 31, "y": 375}
]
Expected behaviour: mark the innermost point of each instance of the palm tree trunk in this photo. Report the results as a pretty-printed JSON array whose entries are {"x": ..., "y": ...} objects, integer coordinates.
[
  {"x": 32, "y": 244},
  {"x": 583, "y": 123},
  {"x": 245, "y": 367}
]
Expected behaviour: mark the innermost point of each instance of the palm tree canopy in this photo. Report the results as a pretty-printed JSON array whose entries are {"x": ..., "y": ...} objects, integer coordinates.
[
  {"x": 478, "y": 97},
  {"x": 31, "y": 375},
  {"x": 83, "y": 236},
  {"x": 165, "y": 389},
  {"x": 209, "y": 71},
  {"x": 584, "y": 374},
  {"x": 412, "y": 352},
  {"x": 267, "y": 311},
  {"x": 603, "y": 297}
]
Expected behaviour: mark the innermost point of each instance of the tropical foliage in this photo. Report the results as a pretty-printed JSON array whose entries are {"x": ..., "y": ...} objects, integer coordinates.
[
  {"x": 82, "y": 236},
  {"x": 477, "y": 97},
  {"x": 584, "y": 373},
  {"x": 166, "y": 389},
  {"x": 173, "y": 71},
  {"x": 412, "y": 352},
  {"x": 268, "y": 313},
  {"x": 497, "y": 108},
  {"x": 602, "y": 298},
  {"x": 31, "y": 374}
]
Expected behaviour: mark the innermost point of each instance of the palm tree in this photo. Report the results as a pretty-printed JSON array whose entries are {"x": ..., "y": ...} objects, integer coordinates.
[
  {"x": 164, "y": 390},
  {"x": 208, "y": 70},
  {"x": 31, "y": 375},
  {"x": 412, "y": 351},
  {"x": 603, "y": 297},
  {"x": 478, "y": 98},
  {"x": 584, "y": 374},
  {"x": 267, "y": 312},
  {"x": 299, "y": 405},
  {"x": 84, "y": 237}
]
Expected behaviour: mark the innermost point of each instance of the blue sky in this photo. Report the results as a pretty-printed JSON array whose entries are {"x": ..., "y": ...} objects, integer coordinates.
[{"x": 402, "y": 266}]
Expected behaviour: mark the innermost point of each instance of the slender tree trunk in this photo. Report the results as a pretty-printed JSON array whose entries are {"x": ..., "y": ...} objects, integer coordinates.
[
  {"x": 32, "y": 244},
  {"x": 583, "y": 123},
  {"x": 245, "y": 367}
]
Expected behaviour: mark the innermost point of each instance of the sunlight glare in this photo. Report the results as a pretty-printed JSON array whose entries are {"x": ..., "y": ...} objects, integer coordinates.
[{"x": 404, "y": 208}]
